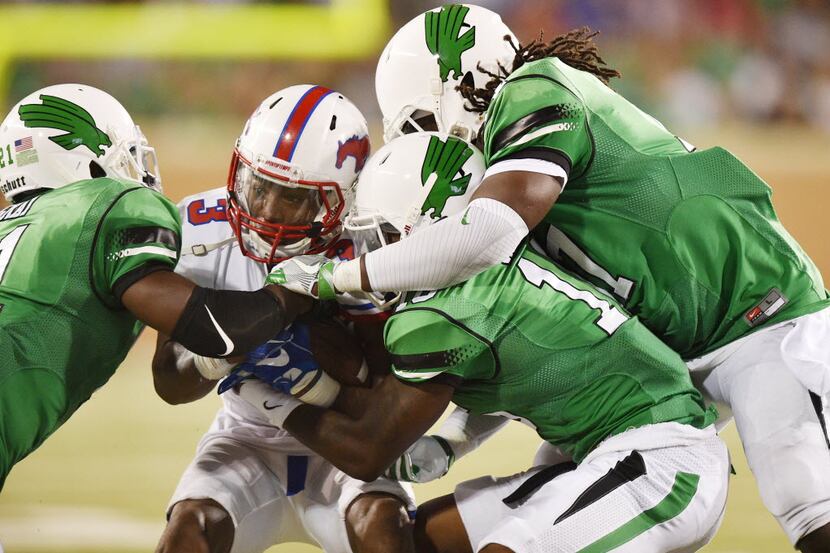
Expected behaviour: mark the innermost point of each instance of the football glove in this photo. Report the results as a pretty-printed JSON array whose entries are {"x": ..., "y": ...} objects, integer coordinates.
[
  {"x": 310, "y": 275},
  {"x": 426, "y": 460},
  {"x": 287, "y": 364},
  {"x": 274, "y": 405}
]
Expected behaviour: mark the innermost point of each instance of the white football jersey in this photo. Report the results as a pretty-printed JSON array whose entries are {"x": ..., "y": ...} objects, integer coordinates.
[{"x": 211, "y": 258}]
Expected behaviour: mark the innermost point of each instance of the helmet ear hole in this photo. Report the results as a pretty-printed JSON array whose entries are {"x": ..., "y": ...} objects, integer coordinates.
[
  {"x": 421, "y": 121},
  {"x": 95, "y": 170}
]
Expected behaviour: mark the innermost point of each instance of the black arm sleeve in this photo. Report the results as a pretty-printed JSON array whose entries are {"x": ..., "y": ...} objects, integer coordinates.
[{"x": 221, "y": 323}]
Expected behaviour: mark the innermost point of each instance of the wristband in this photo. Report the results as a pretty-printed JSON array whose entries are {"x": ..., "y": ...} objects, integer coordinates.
[
  {"x": 346, "y": 276},
  {"x": 212, "y": 368},
  {"x": 317, "y": 388}
]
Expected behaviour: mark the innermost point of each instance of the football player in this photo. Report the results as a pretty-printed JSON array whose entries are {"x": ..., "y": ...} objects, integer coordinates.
[
  {"x": 87, "y": 250},
  {"x": 528, "y": 341},
  {"x": 686, "y": 239},
  {"x": 251, "y": 485}
]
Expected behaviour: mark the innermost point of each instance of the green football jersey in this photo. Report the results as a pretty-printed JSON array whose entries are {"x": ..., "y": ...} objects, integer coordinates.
[
  {"x": 65, "y": 258},
  {"x": 687, "y": 240},
  {"x": 531, "y": 342}
]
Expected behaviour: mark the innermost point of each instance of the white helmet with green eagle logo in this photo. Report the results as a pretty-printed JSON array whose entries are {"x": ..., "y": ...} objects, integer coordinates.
[
  {"x": 411, "y": 182},
  {"x": 426, "y": 60},
  {"x": 66, "y": 133}
]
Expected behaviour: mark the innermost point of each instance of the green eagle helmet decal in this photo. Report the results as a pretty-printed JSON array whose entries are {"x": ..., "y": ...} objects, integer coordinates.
[
  {"x": 445, "y": 160},
  {"x": 442, "y": 31},
  {"x": 63, "y": 115}
]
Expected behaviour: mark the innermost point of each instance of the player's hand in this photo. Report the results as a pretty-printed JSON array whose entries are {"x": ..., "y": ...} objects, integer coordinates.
[
  {"x": 275, "y": 406},
  {"x": 426, "y": 460},
  {"x": 310, "y": 275},
  {"x": 287, "y": 364}
]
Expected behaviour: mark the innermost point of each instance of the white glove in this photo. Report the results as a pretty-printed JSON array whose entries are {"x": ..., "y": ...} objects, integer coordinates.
[
  {"x": 300, "y": 274},
  {"x": 275, "y": 406},
  {"x": 426, "y": 460}
]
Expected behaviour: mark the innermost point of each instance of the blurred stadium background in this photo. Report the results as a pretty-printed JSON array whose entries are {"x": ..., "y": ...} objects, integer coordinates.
[{"x": 750, "y": 75}]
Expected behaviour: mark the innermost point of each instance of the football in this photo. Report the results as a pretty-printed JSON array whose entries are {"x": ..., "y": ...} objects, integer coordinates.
[{"x": 338, "y": 352}]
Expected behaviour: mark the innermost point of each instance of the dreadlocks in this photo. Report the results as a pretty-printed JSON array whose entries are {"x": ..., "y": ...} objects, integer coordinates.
[{"x": 575, "y": 48}]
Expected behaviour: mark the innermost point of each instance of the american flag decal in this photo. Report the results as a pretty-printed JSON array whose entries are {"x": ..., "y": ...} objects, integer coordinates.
[{"x": 23, "y": 144}]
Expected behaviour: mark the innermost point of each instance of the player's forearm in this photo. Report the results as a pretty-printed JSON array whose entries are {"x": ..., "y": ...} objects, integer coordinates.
[
  {"x": 349, "y": 444},
  {"x": 443, "y": 254},
  {"x": 395, "y": 415},
  {"x": 370, "y": 334},
  {"x": 175, "y": 376},
  {"x": 213, "y": 323}
]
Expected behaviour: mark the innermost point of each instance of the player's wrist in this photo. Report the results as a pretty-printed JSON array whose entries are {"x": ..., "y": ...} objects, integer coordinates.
[
  {"x": 346, "y": 276},
  {"x": 317, "y": 389},
  {"x": 213, "y": 368},
  {"x": 326, "y": 289},
  {"x": 273, "y": 405},
  {"x": 447, "y": 448}
]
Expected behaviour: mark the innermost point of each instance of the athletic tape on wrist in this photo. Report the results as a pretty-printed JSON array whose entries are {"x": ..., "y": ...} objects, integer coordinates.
[
  {"x": 318, "y": 389},
  {"x": 346, "y": 276},
  {"x": 212, "y": 368}
]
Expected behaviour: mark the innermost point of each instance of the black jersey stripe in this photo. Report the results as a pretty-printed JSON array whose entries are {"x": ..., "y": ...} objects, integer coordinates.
[
  {"x": 146, "y": 235},
  {"x": 128, "y": 279},
  {"x": 541, "y": 152},
  {"x": 423, "y": 361},
  {"x": 463, "y": 327},
  {"x": 538, "y": 118}
]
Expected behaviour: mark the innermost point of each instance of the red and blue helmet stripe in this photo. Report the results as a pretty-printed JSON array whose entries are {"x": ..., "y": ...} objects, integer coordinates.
[{"x": 297, "y": 120}]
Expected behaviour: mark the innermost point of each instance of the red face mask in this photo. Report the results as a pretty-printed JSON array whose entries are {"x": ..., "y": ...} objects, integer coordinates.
[{"x": 275, "y": 217}]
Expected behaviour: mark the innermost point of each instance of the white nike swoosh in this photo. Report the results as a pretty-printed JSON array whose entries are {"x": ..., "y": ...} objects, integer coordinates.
[
  {"x": 281, "y": 360},
  {"x": 307, "y": 268},
  {"x": 225, "y": 337}
]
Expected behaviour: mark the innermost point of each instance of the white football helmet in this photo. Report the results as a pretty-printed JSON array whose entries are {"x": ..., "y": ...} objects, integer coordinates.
[
  {"x": 426, "y": 60},
  {"x": 65, "y": 133},
  {"x": 291, "y": 175},
  {"x": 413, "y": 181}
]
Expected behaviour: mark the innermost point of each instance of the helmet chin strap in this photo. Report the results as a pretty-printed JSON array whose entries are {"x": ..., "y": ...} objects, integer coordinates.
[
  {"x": 379, "y": 301},
  {"x": 413, "y": 214},
  {"x": 263, "y": 248},
  {"x": 200, "y": 250}
]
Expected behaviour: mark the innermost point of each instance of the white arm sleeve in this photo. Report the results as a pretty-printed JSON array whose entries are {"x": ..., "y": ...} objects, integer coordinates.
[
  {"x": 465, "y": 432},
  {"x": 448, "y": 252}
]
